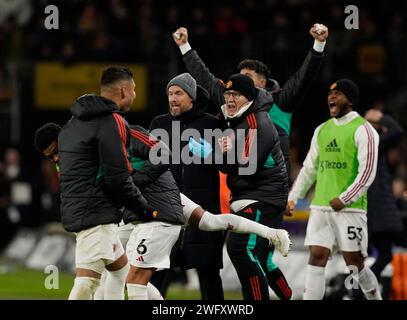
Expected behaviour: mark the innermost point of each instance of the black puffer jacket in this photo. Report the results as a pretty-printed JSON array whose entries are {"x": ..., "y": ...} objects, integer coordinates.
[
  {"x": 383, "y": 215},
  {"x": 268, "y": 182},
  {"x": 94, "y": 168},
  {"x": 153, "y": 177},
  {"x": 199, "y": 182}
]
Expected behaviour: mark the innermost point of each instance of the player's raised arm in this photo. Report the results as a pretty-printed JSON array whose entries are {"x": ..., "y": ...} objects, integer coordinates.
[{"x": 294, "y": 90}]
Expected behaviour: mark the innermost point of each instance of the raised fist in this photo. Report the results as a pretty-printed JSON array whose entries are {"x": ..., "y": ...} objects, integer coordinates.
[
  {"x": 180, "y": 36},
  {"x": 319, "y": 32}
]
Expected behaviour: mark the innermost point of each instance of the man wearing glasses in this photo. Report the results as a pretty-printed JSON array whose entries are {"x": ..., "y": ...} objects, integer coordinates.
[
  {"x": 286, "y": 100},
  {"x": 260, "y": 195}
]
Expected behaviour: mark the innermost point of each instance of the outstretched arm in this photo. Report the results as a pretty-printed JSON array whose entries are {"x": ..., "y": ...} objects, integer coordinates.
[
  {"x": 197, "y": 68},
  {"x": 295, "y": 89}
]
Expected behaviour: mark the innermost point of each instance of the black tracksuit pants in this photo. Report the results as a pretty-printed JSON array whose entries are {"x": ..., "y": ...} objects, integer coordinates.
[{"x": 249, "y": 253}]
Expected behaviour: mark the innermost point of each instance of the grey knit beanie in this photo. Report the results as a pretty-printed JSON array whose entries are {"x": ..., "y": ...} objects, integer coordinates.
[{"x": 186, "y": 82}]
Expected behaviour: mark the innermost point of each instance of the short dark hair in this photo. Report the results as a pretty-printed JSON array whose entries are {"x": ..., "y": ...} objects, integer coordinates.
[
  {"x": 115, "y": 73},
  {"x": 45, "y": 135},
  {"x": 255, "y": 65}
]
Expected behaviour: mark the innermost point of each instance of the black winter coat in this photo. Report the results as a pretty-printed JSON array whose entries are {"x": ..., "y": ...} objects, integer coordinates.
[
  {"x": 95, "y": 174},
  {"x": 267, "y": 181},
  {"x": 383, "y": 215},
  {"x": 154, "y": 178},
  {"x": 199, "y": 182}
]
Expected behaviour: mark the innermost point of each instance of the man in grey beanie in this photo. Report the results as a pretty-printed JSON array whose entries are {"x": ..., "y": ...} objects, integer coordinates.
[
  {"x": 200, "y": 182},
  {"x": 186, "y": 82},
  {"x": 181, "y": 92}
]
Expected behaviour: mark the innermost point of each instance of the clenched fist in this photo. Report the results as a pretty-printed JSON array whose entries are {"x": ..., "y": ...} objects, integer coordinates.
[
  {"x": 319, "y": 32},
  {"x": 289, "y": 208},
  {"x": 336, "y": 204},
  {"x": 180, "y": 36}
]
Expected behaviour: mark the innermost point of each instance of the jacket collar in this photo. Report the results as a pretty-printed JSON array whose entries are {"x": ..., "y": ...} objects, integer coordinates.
[{"x": 238, "y": 114}]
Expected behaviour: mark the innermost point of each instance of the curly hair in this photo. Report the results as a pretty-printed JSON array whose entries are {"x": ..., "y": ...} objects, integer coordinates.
[{"x": 45, "y": 135}]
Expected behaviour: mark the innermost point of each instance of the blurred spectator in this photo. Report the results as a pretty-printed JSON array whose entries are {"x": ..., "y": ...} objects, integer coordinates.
[
  {"x": 280, "y": 21},
  {"x": 6, "y": 92},
  {"x": 118, "y": 17},
  {"x": 7, "y": 227},
  {"x": 101, "y": 48},
  {"x": 400, "y": 192},
  {"x": 336, "y": 20},
  {"x": 17, "y": 175},
  {"x": 396, "y": 48},
  {"x": 384, "y": 222},
  {"x": 90, "y": 20},
  {"x": 229, "y": 23},
  {"x": 18, "y": 10},
  {"x": 12, "y": 168},
  {"x": 172, "y": 21},
  {"x": 68, "y": 53},
  {"x": 148, "y": 32},
  {"x": 199, "y": 22}
]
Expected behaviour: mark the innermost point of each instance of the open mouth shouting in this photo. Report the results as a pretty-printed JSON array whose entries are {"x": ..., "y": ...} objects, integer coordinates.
[{"x": 333, "y": 108}]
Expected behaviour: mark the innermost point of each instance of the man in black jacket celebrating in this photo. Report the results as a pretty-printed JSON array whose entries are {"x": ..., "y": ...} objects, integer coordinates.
[
  {"x": 280, "y": 109},
  {"x": 199, "y": 182},
  {"x": 261, "y": 194},
  {"x": 94, "y": 169},
  {"x": 286, "y": 99}
]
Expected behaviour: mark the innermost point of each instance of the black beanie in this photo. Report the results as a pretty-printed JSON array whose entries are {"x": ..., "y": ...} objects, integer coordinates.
[
  {"x": 243, "y": 84},
  {"x": 349, "y": 89}
]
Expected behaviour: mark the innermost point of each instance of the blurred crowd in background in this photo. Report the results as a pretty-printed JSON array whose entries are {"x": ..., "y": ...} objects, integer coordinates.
[{"x": 223, "y": 32}]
